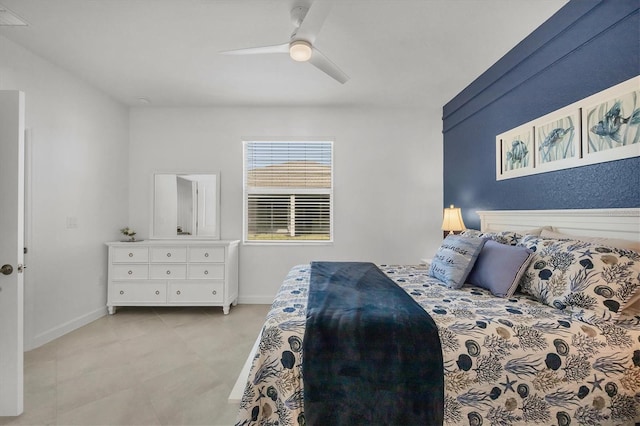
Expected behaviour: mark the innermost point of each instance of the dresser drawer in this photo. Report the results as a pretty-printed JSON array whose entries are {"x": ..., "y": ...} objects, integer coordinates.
[
  {"x": 130, "y": 254},
  {"x": 167, "y": 271},
  {"x": 206, "y": 254},
  {"x": 138, "y": 293},
  {"x": 130, "y": 272},
  {"x": 168, "y": 254},
  {"x": 187, "y": 292},
  {"x": 206, "y": 271}
]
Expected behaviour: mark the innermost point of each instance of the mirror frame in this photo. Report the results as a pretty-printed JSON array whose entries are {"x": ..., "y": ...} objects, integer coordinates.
[{"x": 152, "y": 233}]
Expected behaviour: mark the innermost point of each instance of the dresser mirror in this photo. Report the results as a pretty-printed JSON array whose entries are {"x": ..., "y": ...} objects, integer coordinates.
[{"x": 186, "y": 206}]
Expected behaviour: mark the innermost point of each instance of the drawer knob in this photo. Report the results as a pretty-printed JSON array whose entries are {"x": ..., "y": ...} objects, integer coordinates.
[
  {"x": 157, "y": 292},
  {"x": 130, "y": 254},
  {"x": 206, "y": 272},
  {"x": 121, "y": 291},
  {"x": 168, "y": 254},
  {"x": 168, "y": 272},
  {"x": 206, "y": 255},
  {"x": 130, "y": 272},
  {"x": 214, "y": 292},
  {"x": 178, "y": 292}
]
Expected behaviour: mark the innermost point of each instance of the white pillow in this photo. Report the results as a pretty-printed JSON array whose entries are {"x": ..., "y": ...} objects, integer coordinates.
[
  {"x": 609, "y": 242},
  {"x": 632, "y": 307},
  {"x": 537, "y": 231}
]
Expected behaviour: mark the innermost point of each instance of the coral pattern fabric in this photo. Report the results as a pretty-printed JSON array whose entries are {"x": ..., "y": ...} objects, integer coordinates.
[
  {"x": 507, "y": 362},
  {"x": 578, "y": 275}
]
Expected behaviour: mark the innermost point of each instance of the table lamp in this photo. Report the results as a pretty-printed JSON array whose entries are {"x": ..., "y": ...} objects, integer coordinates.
[{"x": 452, "y": 220}]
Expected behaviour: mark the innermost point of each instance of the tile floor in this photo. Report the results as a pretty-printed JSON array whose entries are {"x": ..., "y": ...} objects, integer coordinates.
[{"x": 142, "y": 366}]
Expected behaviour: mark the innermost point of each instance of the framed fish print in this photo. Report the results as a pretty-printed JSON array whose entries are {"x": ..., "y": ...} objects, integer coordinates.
[
  {"x": 611, "y": 123},
  {"x": 557, "y": 139},
  {"x": 602, "y": 127},
  {"x": 514, "y": 153}
]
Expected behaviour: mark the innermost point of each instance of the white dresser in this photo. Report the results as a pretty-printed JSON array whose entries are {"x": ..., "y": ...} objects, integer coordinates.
[{"x": 173, "y": 273}]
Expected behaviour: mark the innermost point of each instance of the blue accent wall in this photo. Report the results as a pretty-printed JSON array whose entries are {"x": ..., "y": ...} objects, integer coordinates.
[{"x": 586, "y": 47}]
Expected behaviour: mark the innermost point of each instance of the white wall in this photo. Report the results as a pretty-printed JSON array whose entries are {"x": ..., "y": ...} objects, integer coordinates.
[
  {"x": 387, "y": 179},
  {"x": 77, "y": 150}
]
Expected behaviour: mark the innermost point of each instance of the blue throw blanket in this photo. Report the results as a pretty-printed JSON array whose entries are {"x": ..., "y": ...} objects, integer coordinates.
[{"x": 371, "y": 354}]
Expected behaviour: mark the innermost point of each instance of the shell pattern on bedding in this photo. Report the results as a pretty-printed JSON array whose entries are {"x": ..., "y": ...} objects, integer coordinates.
[{"x": 506, "y": 361}]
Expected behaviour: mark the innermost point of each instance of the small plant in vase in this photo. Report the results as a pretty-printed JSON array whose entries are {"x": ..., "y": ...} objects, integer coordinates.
[{"x": 129, "y": 233}]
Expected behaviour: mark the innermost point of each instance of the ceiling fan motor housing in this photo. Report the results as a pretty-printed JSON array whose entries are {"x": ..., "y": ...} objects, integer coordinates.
[
  {"x": 300, "y": 50},
  {"x": 297, "y": 15}
]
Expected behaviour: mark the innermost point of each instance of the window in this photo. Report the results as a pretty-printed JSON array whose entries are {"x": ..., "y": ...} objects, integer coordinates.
[{"x": 288, "y": 191}]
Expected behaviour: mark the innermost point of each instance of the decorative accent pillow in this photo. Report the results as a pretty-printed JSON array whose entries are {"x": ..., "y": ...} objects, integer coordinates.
[
  {"x": 572, "y": 274},
  {"x": 503, "y": 237},
  {"x": 454, "y": 259},
  {"x": 499, "y": 268}
]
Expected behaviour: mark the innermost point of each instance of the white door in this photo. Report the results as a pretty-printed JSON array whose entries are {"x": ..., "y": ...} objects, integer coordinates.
[{"x": 11, "y": 251}]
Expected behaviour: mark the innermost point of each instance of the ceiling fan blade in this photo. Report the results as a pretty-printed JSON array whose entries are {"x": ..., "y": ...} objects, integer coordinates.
[
  {"x": 312, "y": 22},
  {"x": 277, "y": 48},
  {"x": 324, "y": 64}
]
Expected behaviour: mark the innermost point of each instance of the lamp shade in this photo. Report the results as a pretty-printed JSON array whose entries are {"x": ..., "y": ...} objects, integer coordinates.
[{"x": 452, "y": 220}]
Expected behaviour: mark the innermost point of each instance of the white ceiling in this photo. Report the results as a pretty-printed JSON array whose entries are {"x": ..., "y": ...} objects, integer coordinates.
[{"x": 413, "y": 53}]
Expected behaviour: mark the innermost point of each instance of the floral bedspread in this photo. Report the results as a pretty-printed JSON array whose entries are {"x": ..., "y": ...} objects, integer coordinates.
[{"x": 506, "y": 361}]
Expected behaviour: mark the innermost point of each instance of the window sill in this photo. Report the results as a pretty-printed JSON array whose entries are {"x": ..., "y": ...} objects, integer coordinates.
[{"x": 287, "y": 243}]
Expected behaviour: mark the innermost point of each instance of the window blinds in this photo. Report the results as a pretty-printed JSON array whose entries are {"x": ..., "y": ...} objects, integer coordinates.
[{"x": 288, "y": 191}]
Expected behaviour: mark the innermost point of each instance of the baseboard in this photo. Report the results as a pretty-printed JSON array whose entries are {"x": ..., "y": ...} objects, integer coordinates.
[
  {"x": 64, "y": 328},
  {"x": 255, "y": 300},
  {"x": 238, "y": 389}
]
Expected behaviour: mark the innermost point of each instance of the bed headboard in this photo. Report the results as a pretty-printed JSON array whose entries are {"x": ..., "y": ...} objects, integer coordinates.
[{"x": 611, "y": 223}]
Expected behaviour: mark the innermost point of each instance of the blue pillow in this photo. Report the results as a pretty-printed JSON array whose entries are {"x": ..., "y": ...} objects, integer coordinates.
[
  {"x": 454, "y": 259},
  {"x": 499, "y": 268}
]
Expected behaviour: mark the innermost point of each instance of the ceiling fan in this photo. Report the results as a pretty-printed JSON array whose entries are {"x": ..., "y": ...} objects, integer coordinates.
[{"x": 308, "y": 22}]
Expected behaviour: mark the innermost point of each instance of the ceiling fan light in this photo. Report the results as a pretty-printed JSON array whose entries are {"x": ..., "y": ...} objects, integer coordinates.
[{"x": 300, "y": 51}]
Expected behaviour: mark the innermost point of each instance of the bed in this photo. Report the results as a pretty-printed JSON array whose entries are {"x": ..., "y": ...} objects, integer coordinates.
[{"x": 537, "y": 357}]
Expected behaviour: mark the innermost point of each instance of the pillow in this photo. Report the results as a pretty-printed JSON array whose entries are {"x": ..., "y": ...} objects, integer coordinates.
[
  {"x": 499, "y": 268},
  {"x": 572, "y": 274},
  {"x": 471, "y": 233},
  {"x": 537, "y": 231},
  {"x": 632, "y": 307},
  {"x": 503, "y": 237},
  {"x": 454, "y": 259},
  {"x": 609, "y": 242}
]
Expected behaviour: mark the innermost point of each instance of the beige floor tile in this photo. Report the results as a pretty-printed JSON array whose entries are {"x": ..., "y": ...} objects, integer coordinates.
[
  {"x": 126, "y": 407},
  {"x": 210, "y": 327},
  {"x": 145, "y": 366},
  {"x": 180, "y": 383},
  {"x": 199, "y": 409},
  {"x": 77, "y": 342},
  {"x": 174, "y": 317},
  {"x": 40, "y": 406},
  {"x": 134, "y": 329},
  {"x": 39, "y": 375},
  {"x": 96, "y": 384},
  {"x": 164, "y": 361},
  {"x": 44, "y": 353},
  {"x": 85, "y": 361}
]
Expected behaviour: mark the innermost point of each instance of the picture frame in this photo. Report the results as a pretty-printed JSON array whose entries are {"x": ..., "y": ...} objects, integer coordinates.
[
  {"x": 557, "y": 140},
  {"x": 611, "y": 123},
  {"x": 515, "y": 152},
  {"x": 602, "y": 127}
]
